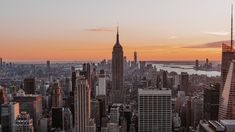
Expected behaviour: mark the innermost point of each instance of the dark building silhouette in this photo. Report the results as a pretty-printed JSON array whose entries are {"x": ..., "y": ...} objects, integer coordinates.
[
  {"x": 196, "y": 64},
  {"x": 0, "y": 62},
  {"x": 29, "y": 85},
  {"x": 211, "y": 101},
  {"x": 58, "y": 118},
  {"x": 71, "y": 102},
  {"x": 184, "y": 82},
  {"x": 86, "y": 72},
  {"x": 164, "y": 79},
  {"x": 117, "y": 72},
  {"x": 135, "y": 59},
  {"x": 48, "y": 65},
  {"x": 74, "y": 74}
]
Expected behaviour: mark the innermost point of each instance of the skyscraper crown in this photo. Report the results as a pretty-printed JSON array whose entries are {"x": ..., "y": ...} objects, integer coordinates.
[{"x": 117, "y": 44}]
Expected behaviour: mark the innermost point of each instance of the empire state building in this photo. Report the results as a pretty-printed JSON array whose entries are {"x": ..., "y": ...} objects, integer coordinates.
[{"x": 117, "y": 72}]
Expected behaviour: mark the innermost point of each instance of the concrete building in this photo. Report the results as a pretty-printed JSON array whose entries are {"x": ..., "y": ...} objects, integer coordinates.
[
  {"x": 112, "y": 127},
  {"x": 101, "y": 88},
  {"x": 81, "y": 104},
  {"x": 9, "y": 114},
  {"x": 57, "y": 99},
  {"x": 115, "y": 113},
  {"x": 24, "y": 123},
  {"x": 155, "y": 110},
  {"x": 31, "y": 104}
]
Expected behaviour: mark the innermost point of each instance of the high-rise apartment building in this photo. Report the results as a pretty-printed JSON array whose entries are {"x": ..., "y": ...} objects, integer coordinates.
[{"x": 155, "y": 110}]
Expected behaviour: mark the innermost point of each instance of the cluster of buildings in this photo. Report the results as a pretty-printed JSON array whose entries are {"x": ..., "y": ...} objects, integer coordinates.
[{"x": 116, "y": 96}]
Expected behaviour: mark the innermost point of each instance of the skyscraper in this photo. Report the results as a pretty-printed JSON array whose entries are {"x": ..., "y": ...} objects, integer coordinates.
[
  {"x": 228, "y": 54},
  {"x": 73, "y": 80},
  {"x": 164, "y": 79},
  {"x": 184, "y": 82},
  {"x": 135, "y": 59},
  {"x": 48, "y": 65},
  {"x": 117, "y": 72},
  {"x": 155, "y": 110},
  {"x": 57, "y": 118},
  {"x": 29, "y": 85},
  {"x": 196, "y": 64},
  {"x": 57, "y": 95},
  {"x": 227, "y": 99},
  {"x": 101, "y": 88},
  {"x": 211, "y": 102},
  {"x": 8, "y": 115},
  {"x": 81, "y": 104}
]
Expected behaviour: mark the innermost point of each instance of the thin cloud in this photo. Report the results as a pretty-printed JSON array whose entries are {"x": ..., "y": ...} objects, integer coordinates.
[
  {"x": 217, "y": 33},
  {"x": 104, "y": 29},
  {"x": 173, "y": 37},
  {"x": 217, "y": 44}
]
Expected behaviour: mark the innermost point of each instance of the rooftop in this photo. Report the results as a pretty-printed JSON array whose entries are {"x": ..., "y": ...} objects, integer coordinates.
[{"x": 154, "y": 91}]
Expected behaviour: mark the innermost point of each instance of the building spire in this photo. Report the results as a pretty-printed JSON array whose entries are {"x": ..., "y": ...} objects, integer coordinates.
[
  {"x": 117, "y": 41},
  {"x": 232, "y": 26}
]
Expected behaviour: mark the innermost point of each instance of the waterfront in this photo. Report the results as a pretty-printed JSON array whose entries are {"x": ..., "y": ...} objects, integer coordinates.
[{"x": 178, "y": 68}]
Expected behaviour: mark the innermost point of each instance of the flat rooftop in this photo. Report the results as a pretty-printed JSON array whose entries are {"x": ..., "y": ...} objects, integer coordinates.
[{"x": 154, "y": 92}]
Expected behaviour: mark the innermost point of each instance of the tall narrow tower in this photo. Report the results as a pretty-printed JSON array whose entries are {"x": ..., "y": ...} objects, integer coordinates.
[
  {"x": 228, "y": 54},
  {"x": 135, "y": 58},
  {"x": 117, "y": 72},
  {"x": 232, "y": 27}
]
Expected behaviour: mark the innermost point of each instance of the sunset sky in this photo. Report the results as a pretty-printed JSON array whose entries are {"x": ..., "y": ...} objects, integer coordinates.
[{"x": 86, "y": 29}]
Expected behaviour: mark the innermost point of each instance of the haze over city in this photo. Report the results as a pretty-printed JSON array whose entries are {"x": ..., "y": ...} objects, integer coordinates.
[{"x": 85, "y": 30}]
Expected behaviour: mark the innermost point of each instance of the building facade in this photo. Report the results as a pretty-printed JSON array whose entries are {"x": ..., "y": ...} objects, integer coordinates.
[{"x": 155, "y": 110}]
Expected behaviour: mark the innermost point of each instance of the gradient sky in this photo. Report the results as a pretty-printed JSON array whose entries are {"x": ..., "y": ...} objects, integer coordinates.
[{"x": 86, "y": 29}]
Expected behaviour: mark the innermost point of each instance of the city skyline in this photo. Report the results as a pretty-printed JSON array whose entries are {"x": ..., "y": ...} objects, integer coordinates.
[{"x": 86, "y": 30}]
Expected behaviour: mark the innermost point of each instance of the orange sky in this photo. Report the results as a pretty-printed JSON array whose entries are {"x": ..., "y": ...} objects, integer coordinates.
[
  {"x": 86, "y": 30},
  {"x": 78, "y": 50}
]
